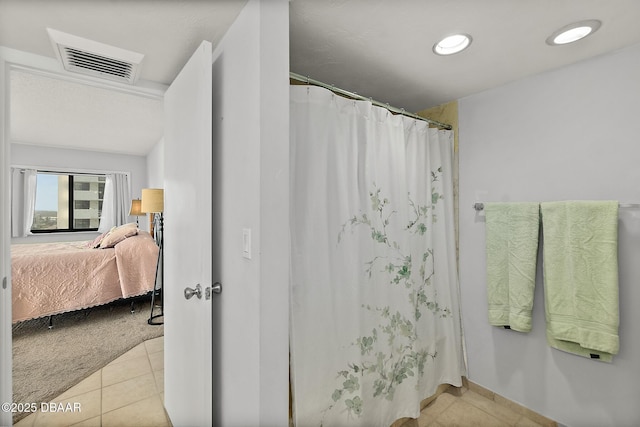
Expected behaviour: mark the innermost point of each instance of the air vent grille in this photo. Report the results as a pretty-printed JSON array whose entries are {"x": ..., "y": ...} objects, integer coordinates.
[
  {"x": 101, "y": 64},
  {"x": 96, "y": 59}
]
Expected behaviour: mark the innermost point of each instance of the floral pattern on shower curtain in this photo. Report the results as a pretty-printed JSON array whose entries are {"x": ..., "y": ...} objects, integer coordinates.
[{"x": 375, "y": 321}]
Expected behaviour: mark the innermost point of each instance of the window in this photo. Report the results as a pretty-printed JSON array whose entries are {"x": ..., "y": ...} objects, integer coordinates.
[
  {"x": 81, "y": 186},
  {"x": 67, "y": 202},
  {"x": 82, "y": 223},
  {"x": 82, "y": 204}
]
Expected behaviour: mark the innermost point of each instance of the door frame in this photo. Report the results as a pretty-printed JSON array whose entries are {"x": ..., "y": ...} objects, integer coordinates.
[{"x": 15, "y": 60}]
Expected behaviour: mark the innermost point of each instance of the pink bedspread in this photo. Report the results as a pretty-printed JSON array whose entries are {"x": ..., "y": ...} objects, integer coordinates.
[
  {"x": 136, "y": 257},
  {"x": 52, "y": 278}
]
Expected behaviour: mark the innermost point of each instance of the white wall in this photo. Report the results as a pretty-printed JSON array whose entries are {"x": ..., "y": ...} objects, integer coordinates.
[
  {"x": 251, "y": 190},
  {"x": 155, "y": 166},
  {"x": 567, "y": 134},
  {"x": 155, "y": 176},
  {"x": 38, "y": 156}
]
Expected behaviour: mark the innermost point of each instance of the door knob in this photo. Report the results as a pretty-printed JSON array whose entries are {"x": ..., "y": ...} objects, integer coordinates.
[
  {"x": 216, "y": 289},
  {"x": 189, "y": 293}
]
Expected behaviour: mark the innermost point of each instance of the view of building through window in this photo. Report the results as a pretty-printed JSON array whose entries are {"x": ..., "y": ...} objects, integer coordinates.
[{"x": 68, "y": 202}]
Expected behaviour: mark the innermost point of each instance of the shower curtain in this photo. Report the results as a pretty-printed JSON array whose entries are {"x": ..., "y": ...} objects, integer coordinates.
[{"x": 375, "y": 322}]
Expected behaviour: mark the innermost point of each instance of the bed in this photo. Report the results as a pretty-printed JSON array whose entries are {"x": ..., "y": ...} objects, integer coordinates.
[{"x": 54, "y": 278}]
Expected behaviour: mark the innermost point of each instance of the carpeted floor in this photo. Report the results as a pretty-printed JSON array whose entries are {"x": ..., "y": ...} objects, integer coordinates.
[{"x": 48, "y": 362}]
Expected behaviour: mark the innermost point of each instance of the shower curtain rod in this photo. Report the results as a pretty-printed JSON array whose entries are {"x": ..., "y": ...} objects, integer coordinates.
[{"x": 401, "y": 111}]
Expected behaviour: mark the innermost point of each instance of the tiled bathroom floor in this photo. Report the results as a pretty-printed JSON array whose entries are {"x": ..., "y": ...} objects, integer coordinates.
[
  {"x": 126, "y": 392},
  {"x": 129, "y": 392},
  {"x": 465, "y": 407}
]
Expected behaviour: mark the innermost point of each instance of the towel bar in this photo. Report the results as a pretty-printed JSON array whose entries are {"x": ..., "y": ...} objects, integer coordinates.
[{"x": 478, "y": 206}]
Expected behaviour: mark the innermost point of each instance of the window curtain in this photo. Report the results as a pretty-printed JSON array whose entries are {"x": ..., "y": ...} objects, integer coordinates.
[
  {"x": 115, "y": 201},
  {"x": 23, "y": 200},
  {"x": 375, "y": 312}
]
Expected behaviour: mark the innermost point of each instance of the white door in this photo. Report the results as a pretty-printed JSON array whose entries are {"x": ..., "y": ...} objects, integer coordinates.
[{"x": 187, "y": 243}]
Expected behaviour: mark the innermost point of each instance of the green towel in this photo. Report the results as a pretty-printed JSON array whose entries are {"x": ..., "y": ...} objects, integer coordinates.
[
  {"x": 512, "y": 246},
  {"x": 581, "y": 277}
]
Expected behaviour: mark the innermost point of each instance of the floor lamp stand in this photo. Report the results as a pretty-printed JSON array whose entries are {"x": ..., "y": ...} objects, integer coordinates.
[{"x": 157, "y": 297}]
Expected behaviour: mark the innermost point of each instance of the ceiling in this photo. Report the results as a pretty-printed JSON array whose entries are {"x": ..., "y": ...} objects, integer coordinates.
[{"x": 377, "y": 48}]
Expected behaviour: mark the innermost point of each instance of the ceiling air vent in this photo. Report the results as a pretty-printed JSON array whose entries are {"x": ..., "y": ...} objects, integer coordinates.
[{"x": 79, "y": 55}]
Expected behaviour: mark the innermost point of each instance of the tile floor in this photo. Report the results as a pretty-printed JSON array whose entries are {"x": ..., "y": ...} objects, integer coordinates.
[
  {"x": 126, "y": 392},
  {"x": 129, "y": 392},
  {"x": 472, "y": 405}
]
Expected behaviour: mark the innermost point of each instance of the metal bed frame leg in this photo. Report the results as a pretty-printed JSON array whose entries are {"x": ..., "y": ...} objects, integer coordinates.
[
  {"x": 133, "y": 307},
  {"x": 50, "y": 322}
]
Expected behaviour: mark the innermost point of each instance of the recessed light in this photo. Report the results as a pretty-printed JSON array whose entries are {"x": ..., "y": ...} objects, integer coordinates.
[
  {"x": 452, "y": 44},
  {"x": 573, "y": 32}
]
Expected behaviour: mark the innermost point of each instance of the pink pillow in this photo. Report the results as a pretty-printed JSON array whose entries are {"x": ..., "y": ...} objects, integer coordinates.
[
  {"x": 118, "y": 234},
  {"x": 96, "y": 242}
]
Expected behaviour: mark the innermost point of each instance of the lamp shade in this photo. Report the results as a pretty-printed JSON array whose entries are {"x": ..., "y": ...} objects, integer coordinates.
[
  {"x": 152, "y": 200},
  {"x": 136, "y": 208}
]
